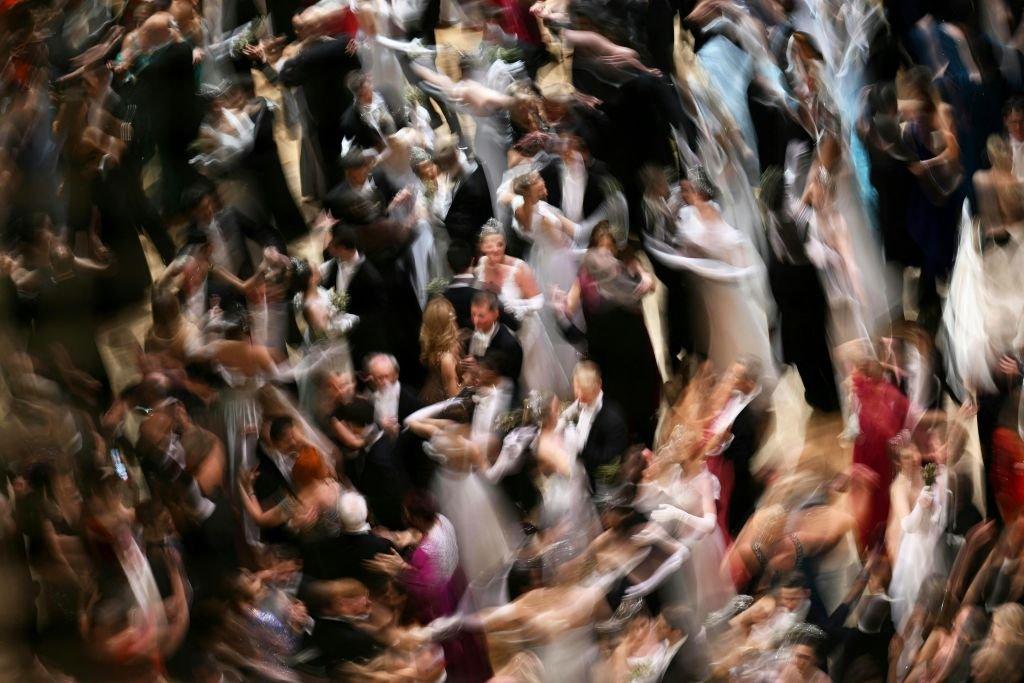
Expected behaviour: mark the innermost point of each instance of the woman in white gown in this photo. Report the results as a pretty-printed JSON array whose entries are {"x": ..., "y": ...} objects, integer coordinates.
[
  {"x": 731, "y": 279},
  {"x": 985, "y": 307},
  {"x": 680, "y": 494},
  {"x": 552, "y": 236},
  {"x": 916, "y": 524},
  {"x": 485, "y": 526},
  {"x": 566, "y": 515},
  {"x": 514, "y": 283}
]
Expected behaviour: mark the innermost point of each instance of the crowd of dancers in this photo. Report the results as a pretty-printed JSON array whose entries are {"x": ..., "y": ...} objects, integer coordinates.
[{"x": 481, "y": 339}]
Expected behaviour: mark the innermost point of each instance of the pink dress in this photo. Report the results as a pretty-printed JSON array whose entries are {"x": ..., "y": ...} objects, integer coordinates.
[{"x": 435, "y": 585}]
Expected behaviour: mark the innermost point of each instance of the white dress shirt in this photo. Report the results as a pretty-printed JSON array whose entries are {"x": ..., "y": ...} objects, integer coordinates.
[
  {"x": 220, "y": 255},
  {"x": 1017, "y": 147},
  {"x": 480, "y": 341},
  {"x": 346, "y": 271},
  {"x": 574, "y": 185},
  {"x": 385, "y": 403},
  {"x": 284, "y": 463},
  {"x": 576, "y": 435}
]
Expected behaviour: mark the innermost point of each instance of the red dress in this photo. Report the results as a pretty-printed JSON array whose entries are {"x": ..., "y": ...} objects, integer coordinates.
[
  {"x": 1007, "y": 473},
  {"x": 882, "y": 414}
]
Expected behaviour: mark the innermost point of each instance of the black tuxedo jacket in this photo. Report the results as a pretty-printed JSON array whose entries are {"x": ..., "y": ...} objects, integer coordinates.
[
  {"x": 343, "y": 556},
  {"x": 368, "y": 299},
  {"x": 270, "y": 487},
  {"x": 341, "y": 641},
  {"x": 594, "y": 193},
  {"x": 608, "y": 438},
  {"x": 268, "y": 176},
  {"x": 319, "y": 69},
  {"x": 384, "y": 483},
  {"x": 408, "y": 402},
  {"x": 505, "y": 347},
  {"x": 471, "y": 207},
  {"x": 271, "y": 483}
]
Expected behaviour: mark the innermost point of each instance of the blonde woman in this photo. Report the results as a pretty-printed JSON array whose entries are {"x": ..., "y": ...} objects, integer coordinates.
[{"x": 439, "y": 351}]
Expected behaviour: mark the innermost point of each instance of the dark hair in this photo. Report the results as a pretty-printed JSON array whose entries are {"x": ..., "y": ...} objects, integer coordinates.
[
  {"x": 863, "y": 669},
  {"x": 279, "y": 425},
  {"x": 343, "y": 236},
  {"x": 882, "y": 97},
  {"x": 794, "y": 579},
  {"x": 359, "y": 412},
  {"x": 302, "y": 273},
  {"x": 243, "y": 81},
  {"x": 1012, "y": 104},
  {"x": 353, "y": 158},
  {"x": 488, "y": 299},
  {"x": 459, "y": 256},
  {"x": 420, "y": 507},
  {"x": 492, "y": 362},
  {"x": 194, "y": 194}
]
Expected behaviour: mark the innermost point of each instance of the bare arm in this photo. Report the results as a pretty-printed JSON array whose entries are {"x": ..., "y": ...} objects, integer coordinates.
[
  {"x": 450, "y": 374},
  {"x": 527, "y": 283}
]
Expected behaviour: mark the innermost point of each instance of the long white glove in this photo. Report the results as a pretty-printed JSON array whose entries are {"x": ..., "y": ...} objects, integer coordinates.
[
  {"x": 669, "y": 513},
  {"x": 511, "y": 455},
  {"x": 520, "y": 308},
  {"x": 343, "y": 323},
  {"x": 673, "y": 563},
  {"x": 432, "y": 410}
]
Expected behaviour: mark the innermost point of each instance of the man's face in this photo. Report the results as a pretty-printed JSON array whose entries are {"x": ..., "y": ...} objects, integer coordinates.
[
  {"x": 790, "y": 599},
  {"x": 483, "y": 317},
  {"x": 357, "y": 176},
  {"x": 585, "y": 392},
  {"x": 1014, "y": 122},
  {"x": 205, "y": 210},
  {"x": 339, "y": 252},
  {"x": 357, "y": 606},
  {"x": 382, "y": 374}
]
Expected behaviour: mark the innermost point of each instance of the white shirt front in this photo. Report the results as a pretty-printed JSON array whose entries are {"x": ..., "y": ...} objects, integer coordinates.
[
  {"x": 385, "y": 403},
  {"x": 284, "y": 463},
  {"x": 346, "y": 271},
  {"x": 574, "y": 185},
  {"x": 588, "y": 412},
  {"x": 481, "y": 341},
  {"x": 215, "y": 236},
  {"x": 576, "y": 435},
  {"x": 1017, "y": 147}
]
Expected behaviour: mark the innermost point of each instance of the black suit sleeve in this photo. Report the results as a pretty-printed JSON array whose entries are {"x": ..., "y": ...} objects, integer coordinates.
[
  {"x": 613, "y": 439},
  {"x": 470, "y": 209},
  {"x": 315, "y": 58}
]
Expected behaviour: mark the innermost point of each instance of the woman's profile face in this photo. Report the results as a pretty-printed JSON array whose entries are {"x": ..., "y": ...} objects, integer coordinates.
[{"x": 538, "y": 190}]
